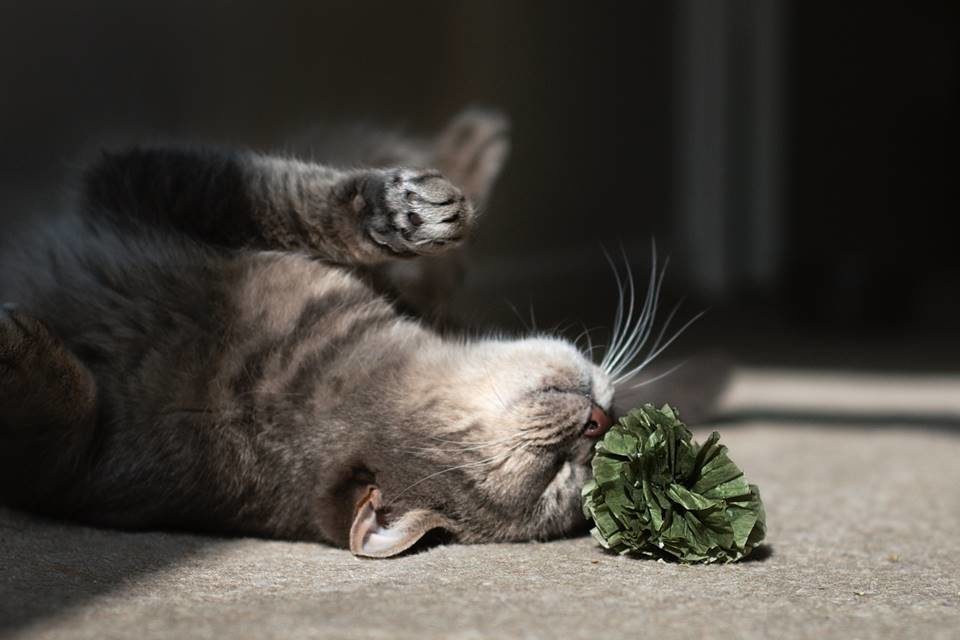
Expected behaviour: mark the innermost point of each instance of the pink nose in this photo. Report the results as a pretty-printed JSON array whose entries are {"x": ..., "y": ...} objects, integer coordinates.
[{"x": 598, "y": 423}]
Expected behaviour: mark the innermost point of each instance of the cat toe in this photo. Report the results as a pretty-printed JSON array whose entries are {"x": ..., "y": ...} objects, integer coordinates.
[{"x": 424, "y": 213}]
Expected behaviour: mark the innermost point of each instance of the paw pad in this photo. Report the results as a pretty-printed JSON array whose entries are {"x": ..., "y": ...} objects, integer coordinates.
[{"x": 419, "y": 213}]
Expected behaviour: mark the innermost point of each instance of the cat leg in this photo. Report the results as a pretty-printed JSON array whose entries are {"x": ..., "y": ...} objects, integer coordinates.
[
  {"x": 470, "y": 151},
  {"x": 47, "y": 413},
  {"x": 408, "y": 212},
  {"x": 360, "y": 217}
]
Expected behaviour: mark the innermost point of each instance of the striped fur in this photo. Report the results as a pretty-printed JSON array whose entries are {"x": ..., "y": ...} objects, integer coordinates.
[{"x": 247, "y": 380}]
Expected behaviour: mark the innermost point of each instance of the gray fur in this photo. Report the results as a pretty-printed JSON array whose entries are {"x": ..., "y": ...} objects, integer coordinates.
[{"x": 248, "y": 379}]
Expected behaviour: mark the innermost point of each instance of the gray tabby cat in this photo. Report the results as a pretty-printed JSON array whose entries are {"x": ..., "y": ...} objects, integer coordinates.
[{"x": 201, "y": 345}]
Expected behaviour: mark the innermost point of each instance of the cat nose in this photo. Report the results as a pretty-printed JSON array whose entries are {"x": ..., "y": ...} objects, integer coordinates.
[{"x": 598, "y": 423}]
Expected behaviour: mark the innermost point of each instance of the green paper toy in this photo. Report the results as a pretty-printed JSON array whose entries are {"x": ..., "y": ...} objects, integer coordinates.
[{"x": 657, "y": 493}]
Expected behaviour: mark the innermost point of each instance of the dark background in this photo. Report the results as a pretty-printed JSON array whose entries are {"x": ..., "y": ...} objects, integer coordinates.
[{"x": 798, "y": 160}]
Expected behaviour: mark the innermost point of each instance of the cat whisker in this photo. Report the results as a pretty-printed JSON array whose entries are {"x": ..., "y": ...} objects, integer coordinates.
[
  {"x": 636, "y": 332},
  {"x": 630, "y": 334},
  {"x": 493, "y": 387},
  {"x": 517, "y": 434},
  {"x": 645, "y": 323},
  {"x": 585, "y": 334},
  {"x": 522, "y": 320},
  {"x": 560, "y": 329},
  {"x": 266, "y": 392},
  {"x": 467, "y": 465},
  {"x": 651, "y": 356},
  {"x": 588, "y": 352},
  {"x": 625, "y": 332},
  {"x": 474, "y": 446},
  {"x": 659, "y": 376},
  {"x": 617, "y": 316}
]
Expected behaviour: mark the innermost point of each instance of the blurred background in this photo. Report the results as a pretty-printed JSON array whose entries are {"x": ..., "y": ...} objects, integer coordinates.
[{"x": 797, "y": 160}]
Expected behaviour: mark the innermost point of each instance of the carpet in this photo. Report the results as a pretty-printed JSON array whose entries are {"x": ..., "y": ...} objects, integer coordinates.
[{"x": 859, "y": 474}]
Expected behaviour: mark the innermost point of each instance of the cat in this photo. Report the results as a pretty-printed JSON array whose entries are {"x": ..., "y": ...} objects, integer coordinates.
[{"x": 208, "y": 342}]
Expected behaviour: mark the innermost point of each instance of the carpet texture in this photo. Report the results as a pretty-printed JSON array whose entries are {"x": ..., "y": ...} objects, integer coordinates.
[{"x": 863, "y": 542}]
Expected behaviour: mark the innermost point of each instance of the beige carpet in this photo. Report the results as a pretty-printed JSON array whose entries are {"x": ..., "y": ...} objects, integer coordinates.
[{"x": 860, "y": 477}]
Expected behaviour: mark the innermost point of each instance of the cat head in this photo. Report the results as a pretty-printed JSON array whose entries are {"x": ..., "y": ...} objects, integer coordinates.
[
  {"x": 498, "y": 449},
  {"x": 501, "y": 437}
]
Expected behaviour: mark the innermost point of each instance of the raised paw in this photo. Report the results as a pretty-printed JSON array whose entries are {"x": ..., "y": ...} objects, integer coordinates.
[
  {"x": 411, "y": 212},
  {"x": 472, "y": 150}
]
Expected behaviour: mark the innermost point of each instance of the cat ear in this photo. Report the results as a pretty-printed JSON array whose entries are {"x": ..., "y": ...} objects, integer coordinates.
[
  {"x": 371, "y": 539},
  {"x": 472, "y": 149}
]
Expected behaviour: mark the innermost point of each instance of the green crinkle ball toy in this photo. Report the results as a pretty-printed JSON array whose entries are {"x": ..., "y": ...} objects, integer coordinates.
[{"x": 657, "y": 493}]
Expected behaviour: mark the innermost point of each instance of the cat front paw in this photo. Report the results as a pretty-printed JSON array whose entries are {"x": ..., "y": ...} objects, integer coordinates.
[{"x": 413, "y": 212}]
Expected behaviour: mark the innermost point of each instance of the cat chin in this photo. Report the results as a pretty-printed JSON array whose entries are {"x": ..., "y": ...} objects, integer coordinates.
[
  {"x": 571, "y": 478},
  {"x": 563, "y": 491}
]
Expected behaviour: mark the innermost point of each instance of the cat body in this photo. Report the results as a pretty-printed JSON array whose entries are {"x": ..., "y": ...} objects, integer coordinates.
[{"x": 205, "y": 343}]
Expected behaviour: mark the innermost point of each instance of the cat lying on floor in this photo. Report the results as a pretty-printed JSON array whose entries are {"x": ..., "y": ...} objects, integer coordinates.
[{"x": 204, "y": 343}]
